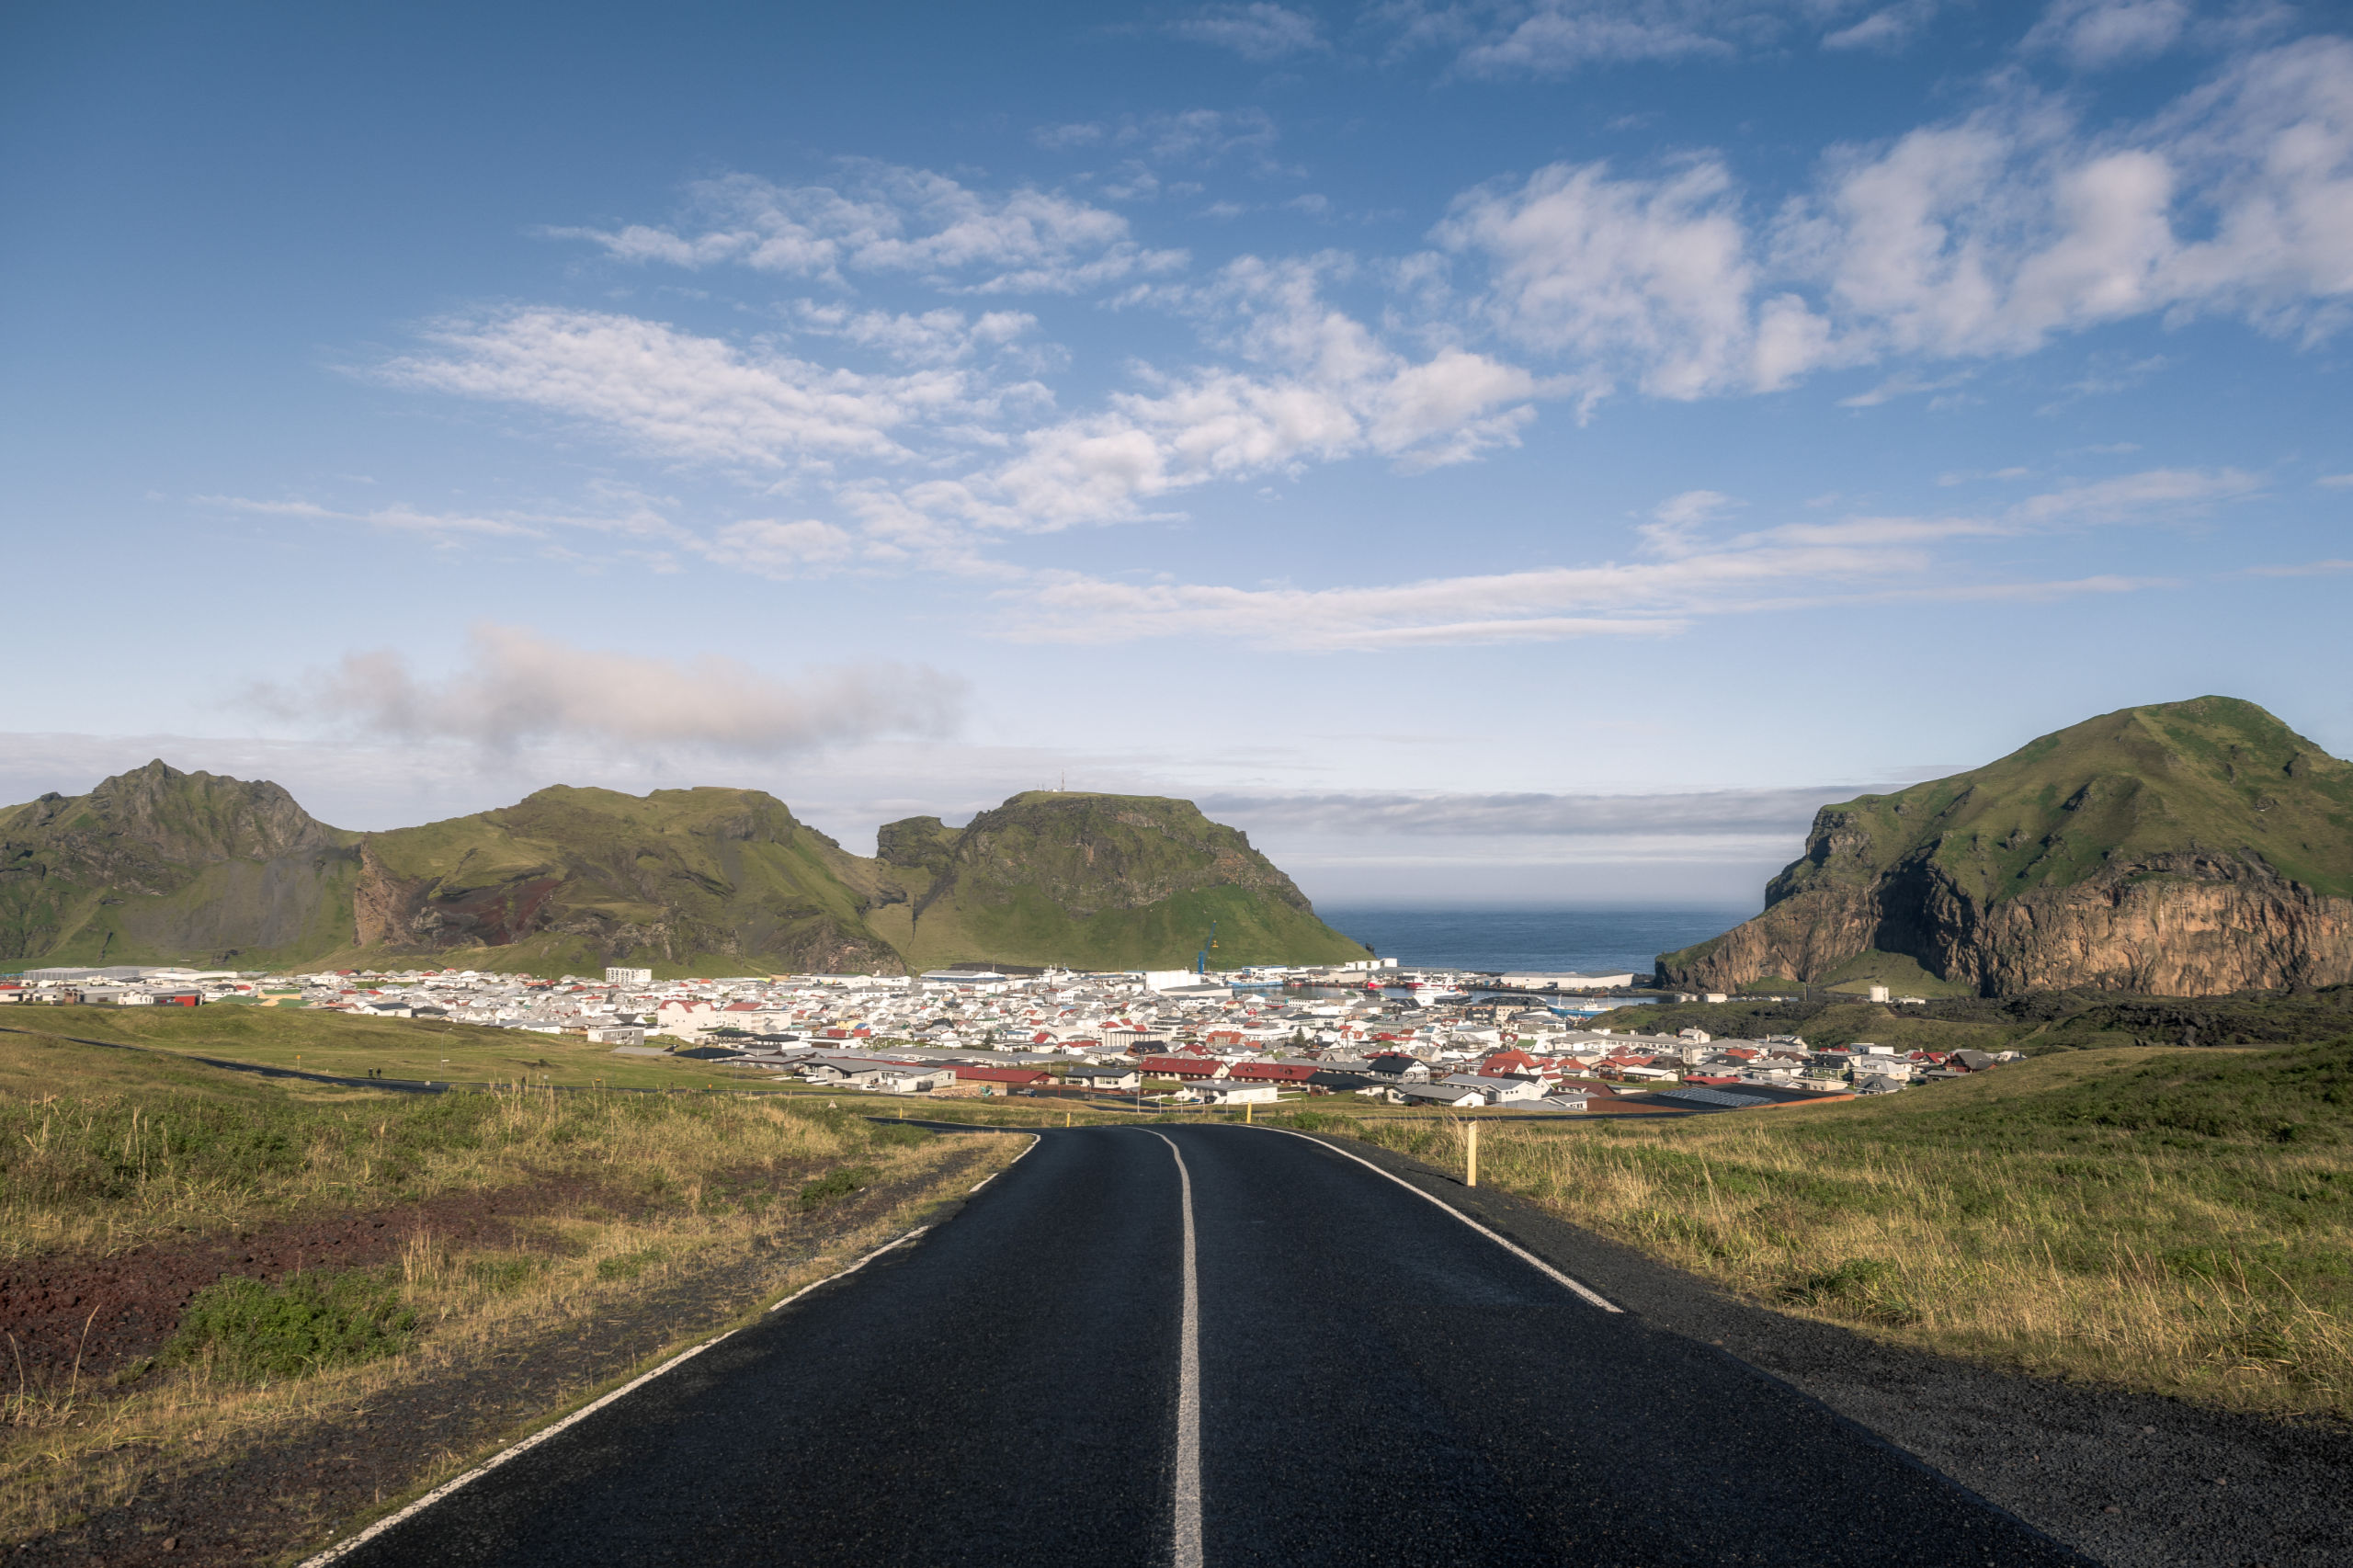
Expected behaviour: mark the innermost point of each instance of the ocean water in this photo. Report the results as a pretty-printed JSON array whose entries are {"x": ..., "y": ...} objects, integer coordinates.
[{"x": 1586, "y": 940}]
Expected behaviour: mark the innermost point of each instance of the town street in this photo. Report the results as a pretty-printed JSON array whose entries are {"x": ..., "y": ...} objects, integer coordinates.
[{"x": 1369, "y": 1381}]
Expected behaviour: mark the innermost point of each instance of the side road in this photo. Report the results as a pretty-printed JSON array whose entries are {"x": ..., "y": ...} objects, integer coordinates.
[{"x": 2132, "y": 1480}]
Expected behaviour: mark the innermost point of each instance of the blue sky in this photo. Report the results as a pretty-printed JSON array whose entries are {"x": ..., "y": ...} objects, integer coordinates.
[{"x": 1531, "y": 451}]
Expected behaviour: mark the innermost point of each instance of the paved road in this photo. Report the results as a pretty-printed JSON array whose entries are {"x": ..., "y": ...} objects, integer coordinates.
[{"x": 1372, "y": 1381}]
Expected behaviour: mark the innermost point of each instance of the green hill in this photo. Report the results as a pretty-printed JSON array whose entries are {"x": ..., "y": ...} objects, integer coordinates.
[
  {"x": 2183, "y": 849},
  {"x": 682, "y": 880},
  {"x": 1096, "y": 881},
  {"x": 159, "y": 866}
]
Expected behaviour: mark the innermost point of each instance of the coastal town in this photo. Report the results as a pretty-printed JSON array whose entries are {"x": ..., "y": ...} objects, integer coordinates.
[{"x": 1399, "y": 1036}]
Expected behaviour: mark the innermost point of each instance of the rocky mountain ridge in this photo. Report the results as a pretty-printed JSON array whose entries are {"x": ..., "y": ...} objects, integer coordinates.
[
  {"x": 156, "y": 865},
  {"x": 2186, "y": 849}
]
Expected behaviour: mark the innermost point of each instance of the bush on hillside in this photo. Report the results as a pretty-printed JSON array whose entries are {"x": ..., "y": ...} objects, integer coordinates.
[{"x": 307, "y": 1324}]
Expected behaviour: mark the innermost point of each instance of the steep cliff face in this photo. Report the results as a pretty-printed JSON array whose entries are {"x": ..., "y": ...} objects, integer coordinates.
[
  {"x": 157, "y": 864},
  {"x": 1109, "y": 880},
  {"x": 2187, "y": 849}
]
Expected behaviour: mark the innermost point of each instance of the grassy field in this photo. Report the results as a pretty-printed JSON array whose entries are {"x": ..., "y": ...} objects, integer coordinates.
[
  {"x": 102, "y": 1149},
  {"x": 2173, "y": 1221},
  {"x": 420, "y": 1049},
  {"x": 2035, "y": 1023}
]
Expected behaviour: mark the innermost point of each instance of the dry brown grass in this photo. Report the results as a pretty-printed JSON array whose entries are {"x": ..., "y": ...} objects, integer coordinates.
[
  {"x": 67, "y": 1455},
  {"x": 1975, "y": 1220},
  {"x": 104, "y": 1150}
]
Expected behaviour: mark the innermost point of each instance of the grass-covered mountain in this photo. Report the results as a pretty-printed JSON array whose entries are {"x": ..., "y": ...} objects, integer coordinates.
[
  {"x": 160, "y": 866},
  {"x": 156, "y": 865},
  {"x": 2185, "y": 848},
  {"x": 1093, "y": 881}
]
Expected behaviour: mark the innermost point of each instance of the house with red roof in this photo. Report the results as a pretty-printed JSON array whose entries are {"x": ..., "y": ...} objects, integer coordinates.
[
  {"x": 981, "y": 1082},
  {"x": 1277, "y": 1073},
  {"x": 1184, "y": 1069}
]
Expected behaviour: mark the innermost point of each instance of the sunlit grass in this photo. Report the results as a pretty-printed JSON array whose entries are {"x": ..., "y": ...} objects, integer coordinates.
[
  {"x": 2168, "y": 1221},
  {"x": 100, "y": 1151}
]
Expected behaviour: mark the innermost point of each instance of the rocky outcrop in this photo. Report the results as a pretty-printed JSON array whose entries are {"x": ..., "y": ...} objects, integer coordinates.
[
  {"x": 2189, "y": 849},
  {"x": 2177, "y": 927}
]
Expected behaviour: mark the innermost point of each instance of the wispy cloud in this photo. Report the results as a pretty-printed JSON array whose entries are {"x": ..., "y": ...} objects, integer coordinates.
[
  {"x": 2303, "y": 569},
  {"x": 887, "y": 219},
  {"x": 403, "y": 518},
  {"x": 519, "y": 688},
  {"x": 1851, "y": 560},
  {"x": 1261, "y": 33},
  {"x": 1887, "y": 30},
  {"x": 678, "y": 393},
  {"x": 1449, "y": 815},
  {"x": 2094, "y": 35}
]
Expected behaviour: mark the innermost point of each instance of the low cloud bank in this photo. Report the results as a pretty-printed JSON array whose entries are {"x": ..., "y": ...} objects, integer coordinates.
[
  {"x": 519, "y": 688},
  {"x": 1711, "y": 813}
]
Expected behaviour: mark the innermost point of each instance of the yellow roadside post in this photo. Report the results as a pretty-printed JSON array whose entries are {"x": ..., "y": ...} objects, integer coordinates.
[
  {"x": 1470, "y": 1176},
  {"x": 1245, "y": 1111}
]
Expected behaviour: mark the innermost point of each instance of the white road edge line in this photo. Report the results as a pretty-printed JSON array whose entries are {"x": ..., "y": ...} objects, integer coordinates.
[
  {"x": 344, "y": 1548},
  {"x": 1588, "y": 1292},
  {"x": 1188, "y": 1389},
  {"x": 1034, "y": 1142}
]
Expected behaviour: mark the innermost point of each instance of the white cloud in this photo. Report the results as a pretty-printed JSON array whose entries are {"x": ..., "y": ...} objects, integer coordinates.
[
  {"x": 888, "y": 218},
  {"x": 2336, "y": 481},
  {"x": 1322, "y": 388},
  {"x": 401, "y": 518},
  {"x": 2094, "y": 35},
  {"x": 767, "y": 548},
  {"x": 1905, "y": 383},
  {"x": 1675, "y": 521},
  {"x": 678, "y": 394},
  {"x": 1976, "y": 238},
  {"x": 520, "y": 688},
  {"x": 1261, "y": 33},
  {"x": 1687, "y": 577},
  {"x": 1439, "y": 814},
  {"x": 1887, "y": 30},
  {"x": 1555, "y": 36},
  {"x": 1652, "y": 281},
  {"x": 2303, "y": 569},
  {"x": 940, "y": 336},
  {"x": 1193, "y": 136},
  {"x": 2173, "y": 491}
]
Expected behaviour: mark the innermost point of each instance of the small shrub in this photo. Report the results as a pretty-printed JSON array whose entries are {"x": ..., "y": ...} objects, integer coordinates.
[
  {"x": 836, "y": 1184},
  {"x": 499, "y": 1274},
  {"x": 1866, "y": 1287},
  {"x": 628, "y": 1265},
  {"x": 307, "y": 1325}
]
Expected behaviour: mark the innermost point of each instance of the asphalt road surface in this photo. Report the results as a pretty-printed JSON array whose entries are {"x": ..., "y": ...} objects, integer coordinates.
[{"x": 1261, "y": 1352}]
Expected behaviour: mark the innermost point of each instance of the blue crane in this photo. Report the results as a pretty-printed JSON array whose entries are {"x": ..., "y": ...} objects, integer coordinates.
[{"x": 1201, "y": 959}]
